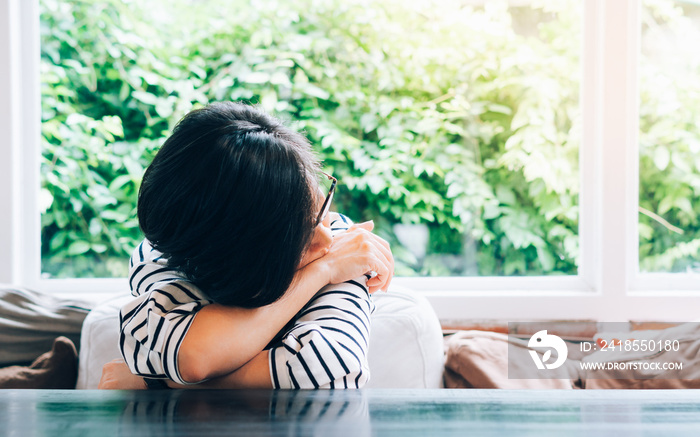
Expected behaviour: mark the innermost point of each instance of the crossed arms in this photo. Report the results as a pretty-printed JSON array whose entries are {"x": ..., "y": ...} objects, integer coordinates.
[{"x": 223, "y": 346}]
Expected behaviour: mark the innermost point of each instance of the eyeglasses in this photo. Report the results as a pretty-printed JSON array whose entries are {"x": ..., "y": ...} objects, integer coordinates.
[{"x": 327, "y": 203}]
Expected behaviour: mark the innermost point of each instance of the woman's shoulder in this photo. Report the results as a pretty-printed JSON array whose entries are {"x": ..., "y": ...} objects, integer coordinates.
[{"x": 149, "y": 274}]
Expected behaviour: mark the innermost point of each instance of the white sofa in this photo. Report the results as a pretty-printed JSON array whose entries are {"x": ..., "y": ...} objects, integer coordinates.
[{"x": 405, "y": 348}]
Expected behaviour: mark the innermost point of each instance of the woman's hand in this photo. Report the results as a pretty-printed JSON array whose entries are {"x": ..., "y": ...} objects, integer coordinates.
[
  {"x": 356, "y": 252},
  {"x": 117, "y": 376}
]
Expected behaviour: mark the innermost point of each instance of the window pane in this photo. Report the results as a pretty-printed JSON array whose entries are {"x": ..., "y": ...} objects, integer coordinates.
[
  {"x": 455, "y": 125},
  {"x": 669, "y": 172}
]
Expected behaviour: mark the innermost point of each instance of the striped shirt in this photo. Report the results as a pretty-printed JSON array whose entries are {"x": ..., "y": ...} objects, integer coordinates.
[{"x": 325, "y": 347}]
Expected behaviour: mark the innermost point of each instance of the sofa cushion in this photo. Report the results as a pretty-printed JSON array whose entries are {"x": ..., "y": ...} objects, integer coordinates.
[
  {"x": 685, "y": 351},
  {"x": 30, "y": 322},
  {"x": 479, "y": 359},
  {"x": 405, "y": 348},
  {"x": 406, "y": 345}
]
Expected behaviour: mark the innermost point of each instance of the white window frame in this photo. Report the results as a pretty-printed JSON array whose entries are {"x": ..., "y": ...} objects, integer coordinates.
[{"x": 609, "y": 286}]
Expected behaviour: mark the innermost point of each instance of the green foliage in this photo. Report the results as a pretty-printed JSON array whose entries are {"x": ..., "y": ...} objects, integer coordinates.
[
  {"x": 669, "y": 140},
  {"x": 461, "y": 119},
  {"x": 97, "y": 137}
]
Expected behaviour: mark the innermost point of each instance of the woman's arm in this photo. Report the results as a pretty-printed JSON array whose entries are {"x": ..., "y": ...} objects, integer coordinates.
[
  {"x": 253, "y": 374},
  {"x": 222, "y": 339},
  {"x": 327, "y": 347}
]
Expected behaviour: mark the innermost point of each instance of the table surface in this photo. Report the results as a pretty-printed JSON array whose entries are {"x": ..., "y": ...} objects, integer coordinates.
[{"x": 351, "y": 413}]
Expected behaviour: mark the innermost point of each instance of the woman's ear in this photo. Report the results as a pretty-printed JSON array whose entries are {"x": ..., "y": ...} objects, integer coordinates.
[{"x": 320, "y": 244}]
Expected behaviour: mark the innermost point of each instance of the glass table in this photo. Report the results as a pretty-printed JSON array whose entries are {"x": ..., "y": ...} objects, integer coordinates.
[{"x": 349, "y": 413}]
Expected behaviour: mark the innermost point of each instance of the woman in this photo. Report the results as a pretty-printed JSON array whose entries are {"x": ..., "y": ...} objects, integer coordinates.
[{"x": 238, "y": 240}]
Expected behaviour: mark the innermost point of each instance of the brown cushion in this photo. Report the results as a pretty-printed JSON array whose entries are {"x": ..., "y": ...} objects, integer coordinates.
[
  {"x": 688, "y": 354},
  {"x": 478, "y": 359},
  {"x": 56, "y": 369}
]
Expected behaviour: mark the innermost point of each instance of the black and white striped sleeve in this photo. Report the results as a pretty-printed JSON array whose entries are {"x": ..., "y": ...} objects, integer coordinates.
[
  {"x": 327, "y": 346},
  {"x": 154, "y": 324}
]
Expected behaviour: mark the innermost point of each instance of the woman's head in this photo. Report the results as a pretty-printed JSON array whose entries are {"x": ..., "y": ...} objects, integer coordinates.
[{"x": 231, "y": 201}]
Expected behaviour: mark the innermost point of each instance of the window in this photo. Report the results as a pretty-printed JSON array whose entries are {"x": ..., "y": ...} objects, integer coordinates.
[
  {"x": 455, "y": 126},
  {"x": 591, "y": 118},
  {"x": 669, "y": 143}
]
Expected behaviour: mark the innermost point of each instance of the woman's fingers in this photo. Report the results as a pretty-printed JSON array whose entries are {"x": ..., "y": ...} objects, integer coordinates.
[
  {"x": 381, "y": 267},
  {"x": 116, "y": 375},
  {"x": 367, "y": 226},
  {"x": 382, "y": 254},
  {"x": 379, "y": 242},
  {"x": 358, "y": 251},
  {"x": 389, "y": 257},
  {"x": 385, "y": 270}
]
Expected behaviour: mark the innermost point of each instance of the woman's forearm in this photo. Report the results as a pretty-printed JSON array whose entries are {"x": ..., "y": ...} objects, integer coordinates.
[
  {"x": 222, "y": 339},
  {"x": 253, "y": 374}
]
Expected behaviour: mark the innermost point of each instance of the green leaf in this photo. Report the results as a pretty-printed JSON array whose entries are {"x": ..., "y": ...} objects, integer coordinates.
[
  {"x": 45, "y": 200},
  {"x": 78, "y": 248},
  {"x": 113, "y": 124},
  {"x": 661, "y": 157},
  {"x": 665, "y": 205},
  {"x": 491, "y": 211},
  {"x": 58, "y": 240},
  {"x": 546, "y": 259},
  {"x": 683, "y": 203},
  {"x": 312, "y": 90},
  {"x": 113, "y": 215},
  {"x": 99, "y": 248},
  {"x": 257, "y": 77},
  {"x": 61, "y": 218},
  {"x": 505, "y": 195},
  {"x": 144, "y": 97},
  {"x": 118, "y": 182}
]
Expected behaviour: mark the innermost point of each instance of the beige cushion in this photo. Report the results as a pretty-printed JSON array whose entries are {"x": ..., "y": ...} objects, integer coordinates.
[
  {"x": 30, "y": 322},
  {"x": 100, "y": 337},
  {"x": 405, "y": 345}
]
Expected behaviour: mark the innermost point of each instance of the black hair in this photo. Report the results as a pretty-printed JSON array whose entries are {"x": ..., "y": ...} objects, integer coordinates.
[{"x": 230, "y": 200}]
